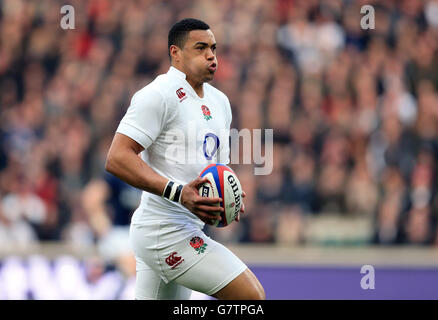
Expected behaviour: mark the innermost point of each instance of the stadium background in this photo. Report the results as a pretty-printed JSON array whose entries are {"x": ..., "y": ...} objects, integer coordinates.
[{"x": 355, "y": 119}]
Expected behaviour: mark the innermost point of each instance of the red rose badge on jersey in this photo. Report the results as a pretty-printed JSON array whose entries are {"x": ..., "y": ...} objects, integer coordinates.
[
  {"x": 206, "y": 112},
  {"x": 198, "y": 244}
]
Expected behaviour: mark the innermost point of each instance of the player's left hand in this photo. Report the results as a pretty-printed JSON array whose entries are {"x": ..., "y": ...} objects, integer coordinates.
[{"x": 242, "y": 208}]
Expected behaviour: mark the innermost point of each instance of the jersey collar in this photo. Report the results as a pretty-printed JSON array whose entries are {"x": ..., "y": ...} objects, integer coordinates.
[
  {"x": 181, "y": 75},
  {"x": 175, "y": 72}
]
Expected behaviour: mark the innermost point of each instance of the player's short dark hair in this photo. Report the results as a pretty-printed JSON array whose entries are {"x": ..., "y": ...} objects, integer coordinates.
[{"x": 179, "y": 32}]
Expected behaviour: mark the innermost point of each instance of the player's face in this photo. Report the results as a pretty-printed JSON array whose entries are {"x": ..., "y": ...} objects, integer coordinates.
[{"x": 198, "y": 56}]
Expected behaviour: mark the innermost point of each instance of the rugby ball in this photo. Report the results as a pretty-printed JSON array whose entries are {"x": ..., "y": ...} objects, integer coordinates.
[{"x": 223, "y": 183}]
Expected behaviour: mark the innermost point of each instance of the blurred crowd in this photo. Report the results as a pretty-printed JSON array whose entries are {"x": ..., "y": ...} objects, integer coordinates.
[
  {"x": 354, "y": 114},
  {"x": 66, "y": 277}
]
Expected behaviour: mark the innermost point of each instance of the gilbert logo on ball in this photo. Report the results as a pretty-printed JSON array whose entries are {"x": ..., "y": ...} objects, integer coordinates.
[{"x": 223, "y": 183}]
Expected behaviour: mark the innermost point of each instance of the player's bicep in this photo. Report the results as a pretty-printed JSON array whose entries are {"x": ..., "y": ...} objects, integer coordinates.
[
  {"x": 121, "y": 147},
  {"x": 124, "y": 142}
]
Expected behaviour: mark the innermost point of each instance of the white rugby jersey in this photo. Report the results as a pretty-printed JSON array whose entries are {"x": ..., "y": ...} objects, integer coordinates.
[{"x": 181, "y": 133}]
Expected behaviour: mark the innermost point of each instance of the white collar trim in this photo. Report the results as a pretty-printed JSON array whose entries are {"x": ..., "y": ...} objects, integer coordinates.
[{"x": 174, "y": 71}]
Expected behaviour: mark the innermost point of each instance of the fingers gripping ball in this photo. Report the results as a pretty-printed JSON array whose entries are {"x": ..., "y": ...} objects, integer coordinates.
[{"x": 223, "y": 183}]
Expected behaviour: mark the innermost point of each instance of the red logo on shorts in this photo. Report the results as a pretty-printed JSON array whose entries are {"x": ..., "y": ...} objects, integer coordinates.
[
  {"x": 173, "y": 260},
  {"x": 198, "y": 244}
]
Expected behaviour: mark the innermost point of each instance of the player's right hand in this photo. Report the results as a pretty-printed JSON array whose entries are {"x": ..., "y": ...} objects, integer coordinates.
[{"x": 205, "y": 208}]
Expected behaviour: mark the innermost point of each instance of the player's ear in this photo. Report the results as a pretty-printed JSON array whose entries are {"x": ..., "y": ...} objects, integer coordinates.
[{"x": 175, "y": 53}]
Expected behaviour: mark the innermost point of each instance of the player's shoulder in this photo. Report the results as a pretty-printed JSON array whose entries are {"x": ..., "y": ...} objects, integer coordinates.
[
  {"x": 150, "y": 92},
  {"x": 216, "y": 92},
  {"x": 160, "y": 88}
]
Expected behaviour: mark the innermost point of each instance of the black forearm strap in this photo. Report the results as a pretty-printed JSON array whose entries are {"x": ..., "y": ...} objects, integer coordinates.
[{"x": 172, "y": 191}]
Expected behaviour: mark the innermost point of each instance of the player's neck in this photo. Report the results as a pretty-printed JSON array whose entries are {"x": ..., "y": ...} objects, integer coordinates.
[{"x": 197, "y": 86}]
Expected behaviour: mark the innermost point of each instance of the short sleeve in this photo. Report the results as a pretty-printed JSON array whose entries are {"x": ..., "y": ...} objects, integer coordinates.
[{"x": 145, "y": 117}]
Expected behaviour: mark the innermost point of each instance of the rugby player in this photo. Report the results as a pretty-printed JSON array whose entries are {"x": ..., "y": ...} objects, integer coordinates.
[{"x": 173, "y": 254}]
